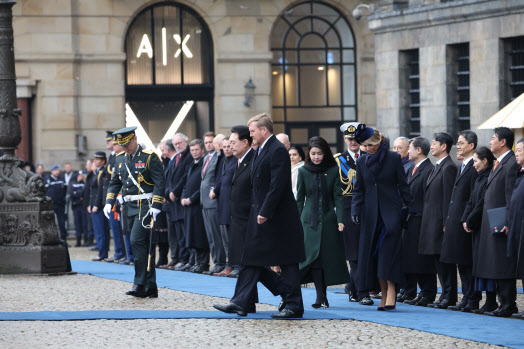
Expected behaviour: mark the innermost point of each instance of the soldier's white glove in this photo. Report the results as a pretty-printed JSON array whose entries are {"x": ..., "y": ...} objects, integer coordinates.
[
  {"x": 154, "y": 212},
  {"x": 107, "y": 210},
  {"x": 120, "y": 199}
]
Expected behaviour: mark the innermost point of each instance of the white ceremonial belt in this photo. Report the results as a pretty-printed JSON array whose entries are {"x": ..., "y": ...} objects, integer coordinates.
[{"x": 129, "y": 198}]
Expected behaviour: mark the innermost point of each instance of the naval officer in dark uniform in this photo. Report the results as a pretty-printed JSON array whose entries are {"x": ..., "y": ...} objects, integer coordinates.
[
  {"x": 139, "y": 174},
  {"x": 347, "y": 163}
]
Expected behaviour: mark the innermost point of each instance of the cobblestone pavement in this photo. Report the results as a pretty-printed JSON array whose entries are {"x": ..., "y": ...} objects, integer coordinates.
[{"x": 86, "y": 292}]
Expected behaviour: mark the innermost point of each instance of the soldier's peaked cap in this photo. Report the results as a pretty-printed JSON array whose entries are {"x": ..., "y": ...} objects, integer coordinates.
[
  {"x": 349, "y": 129},
  {"x": 124, "y": 135}
]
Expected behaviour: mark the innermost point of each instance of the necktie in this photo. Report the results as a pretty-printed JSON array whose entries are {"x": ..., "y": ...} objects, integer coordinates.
[
  {"x": 205, "y": 166},
  {"x": 496, "y": 164},
  {"x": 414, "y": 169},
  {"x": 356, "y": 155},
  {"x": 178, "y": 156},
  {"x": 462, "y": 167}
]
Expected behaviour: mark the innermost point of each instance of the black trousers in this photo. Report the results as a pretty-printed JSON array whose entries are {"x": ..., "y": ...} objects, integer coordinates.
[
  {"x": 140, "y": 237},
  {"x": 80, "y": 217},
  {"x": 507, "y": 293},
  {"x": 286, "y": 285},
  {"x": 61, "y": 218},
  {"x": 182, "y": 251},
  {"x": 353, "y": 280},
  {"x": 468, "y": 284},
  {"x": 426, "y": 282},
  {"x": 173, "y": 241},
  {"x": 447, "y": 274},
  {"x": 199, "y": 256}
]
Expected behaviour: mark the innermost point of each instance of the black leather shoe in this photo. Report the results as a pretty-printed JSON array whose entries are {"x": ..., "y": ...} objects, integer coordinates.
[
  {"x": 459, "y": 306},
  {"x": 445, "y": 304},
  {"x": 152, "y": 292},
  {"x": 231, "y": 308},
  {"x": 518, "y": 316},
  {"x": 405, "y": 297},
  {"x": 137, "y": 291},
  {"x": 413, "y": 301},
  {"x": 98, "y": 259},
  {"x": 366, "y": 301},
  {"x": 281, "y": 306},
  {"x": 423, "y": 302},
  {"x": 233, "y": 274},
  {"x": 215, "y": 269},
  {"x": 486, "y": 308},
  {"x": 470, "y": 307},
  {"x": 434, "y": 305},
  {"x": 110, "y": 260},
  {"x": 178, "y": 265},
  {"x": 185, "y": 267},
  {"x": 199, "y": 269},
  {"x": 286, "y": 314},
  {"x": 503, "y": 312},
  {"x": 353, "y": 297}
]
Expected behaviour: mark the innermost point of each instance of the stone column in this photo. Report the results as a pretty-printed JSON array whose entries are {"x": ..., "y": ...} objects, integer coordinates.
[{"x": 29, "y": 240}]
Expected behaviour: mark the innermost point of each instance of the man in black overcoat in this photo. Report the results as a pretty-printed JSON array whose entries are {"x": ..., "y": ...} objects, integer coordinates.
[
  {"x": 351, "y": 234},
  {"x": 240, "y": 196},
  {"x": 457, "y": 245},
  {"x": 274, "y": 233},
  {"x": 436, "y": 204},
  {"x": 418, "y": 268},
  {"x": 182, "y": 161},
  {"x": 169, "y": 152},
  {"x": 495, "y": 263},
  {"x": 195, "y": 232}
]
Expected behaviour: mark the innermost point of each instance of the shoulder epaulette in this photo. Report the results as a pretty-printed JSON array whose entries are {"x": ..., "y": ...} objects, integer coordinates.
[
  {"x": 121, "y": 153},
  {"x": 147, "y": 151},
  {"x": 337, "y": 155}
]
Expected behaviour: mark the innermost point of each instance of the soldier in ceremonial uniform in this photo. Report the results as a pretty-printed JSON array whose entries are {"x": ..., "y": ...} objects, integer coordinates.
[
  {"x": 347, "y": 162},
  {"x": 139, "y": 174}
]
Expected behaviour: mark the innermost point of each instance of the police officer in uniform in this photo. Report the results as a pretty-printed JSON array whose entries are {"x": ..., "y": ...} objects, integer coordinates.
[
  {"x": 347, "y": 162},
  {"x": 139, "y": 174},
  {"x": 56, "y": 189}
]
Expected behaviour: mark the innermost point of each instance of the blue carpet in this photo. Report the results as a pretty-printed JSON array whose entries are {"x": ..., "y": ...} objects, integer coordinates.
[{"x": 497, "y": 331}]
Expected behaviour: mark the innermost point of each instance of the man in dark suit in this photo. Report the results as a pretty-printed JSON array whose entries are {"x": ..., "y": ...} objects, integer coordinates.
[
  {"x": 221, "y": 193},
  {"x": 169, "y": 152},
  {"x": 274, "y": 233},
  {"x": 436, "y": 204},
  {"x": 351, "y": 234},
  {"x": 209, "y": 207},
  {"x": 418, "y": 268},
  {"x": 240, "y": 196},
  {"x": 496, "y": 265},
  {"x": 456, "y": 243}
]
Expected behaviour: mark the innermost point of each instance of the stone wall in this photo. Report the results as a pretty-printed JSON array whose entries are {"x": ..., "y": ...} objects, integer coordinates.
[
  {"x": 482, "y": 24},
  {"x": 75, "y": 58}
]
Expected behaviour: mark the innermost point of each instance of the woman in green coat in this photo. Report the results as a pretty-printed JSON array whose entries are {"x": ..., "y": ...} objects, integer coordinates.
[{"x": 318, "y": 195}]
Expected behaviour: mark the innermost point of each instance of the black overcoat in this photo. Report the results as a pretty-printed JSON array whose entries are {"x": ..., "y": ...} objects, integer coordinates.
[
  {"x": 493, "y": 261},
  {"x": 515, "y": 225},
  {"x": 351, "y": 233},
  {"x": 456, "y": 243},
  {"x": 169, "y": 206},
  {"x": 178, "y": 180},
  {"x": 386, "y": 193},
  {"x": 223, "y": 188},
  {"x": 436, "y": 204},
  {"x": 473, "y": 214},
  {"x": 240, "y": 205},
  {"x": 412, "y": 261},
  {"x": 279, "y": 240},
  {"x": 194, "y": 229}
]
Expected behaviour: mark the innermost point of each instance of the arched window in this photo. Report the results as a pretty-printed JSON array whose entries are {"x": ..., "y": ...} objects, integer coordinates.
[{"x": 313, "y": 71}]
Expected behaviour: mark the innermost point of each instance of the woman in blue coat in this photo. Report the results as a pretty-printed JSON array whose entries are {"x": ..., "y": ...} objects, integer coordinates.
[{"x": 381, "y": 200}]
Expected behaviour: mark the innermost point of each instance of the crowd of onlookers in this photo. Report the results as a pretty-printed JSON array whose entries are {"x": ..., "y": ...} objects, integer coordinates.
[{"x": 446, "y": 221}]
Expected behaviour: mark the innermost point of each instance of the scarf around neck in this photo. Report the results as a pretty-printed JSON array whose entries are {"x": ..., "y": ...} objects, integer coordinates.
[{"x": 374, "y": 161}]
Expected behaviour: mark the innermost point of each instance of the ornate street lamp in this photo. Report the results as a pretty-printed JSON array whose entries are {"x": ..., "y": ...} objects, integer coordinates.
[{"x": 249, "y": 93}]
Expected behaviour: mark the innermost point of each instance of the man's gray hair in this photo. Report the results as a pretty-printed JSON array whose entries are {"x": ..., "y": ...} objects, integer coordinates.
[
  {"x": 181, "y": 135},
  {"x": 168, "y": 144},
  {"x": 197, "y": 142},
  {"x": 405, "y": 139}
]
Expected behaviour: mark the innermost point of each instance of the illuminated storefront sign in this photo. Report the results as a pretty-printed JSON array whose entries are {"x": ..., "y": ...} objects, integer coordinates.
[{"x": 145, "y": 46}]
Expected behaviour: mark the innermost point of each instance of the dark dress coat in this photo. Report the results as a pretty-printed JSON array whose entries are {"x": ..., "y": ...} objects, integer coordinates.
[
  {"x": 87, "y": 190},
  {"x": 279, "y": 240},
  {"x": 223, "y": 188},
  {"x": 351, "y": 233},
  {"x": 516, "y": 223},
  {"x": 194, "y": 229},
  {"x": 412, "y": 261},
  {"x": 436, "y": 204},
  {"x": 493, "y": 262},
  {"x": 473, "y": 213},
  {"x": 240, "y": 205},
  {"x": 169, "y": 206},
  {"x": 456, "y": 243},
  {"x": 325, "y": 242},
  {"x": 176, "y": 183},
  {"x": 386, "y": 194}
]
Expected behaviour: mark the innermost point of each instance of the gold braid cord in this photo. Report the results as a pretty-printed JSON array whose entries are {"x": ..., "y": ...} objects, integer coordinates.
[{"x": 348, "y": 182}]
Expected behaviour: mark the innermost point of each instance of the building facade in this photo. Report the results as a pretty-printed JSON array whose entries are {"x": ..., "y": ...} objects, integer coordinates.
[{"x": 407, "y": 66}]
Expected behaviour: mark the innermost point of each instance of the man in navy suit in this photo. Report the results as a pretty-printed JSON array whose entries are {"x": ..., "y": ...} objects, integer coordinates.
[{"x": 274, "y": 234}]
